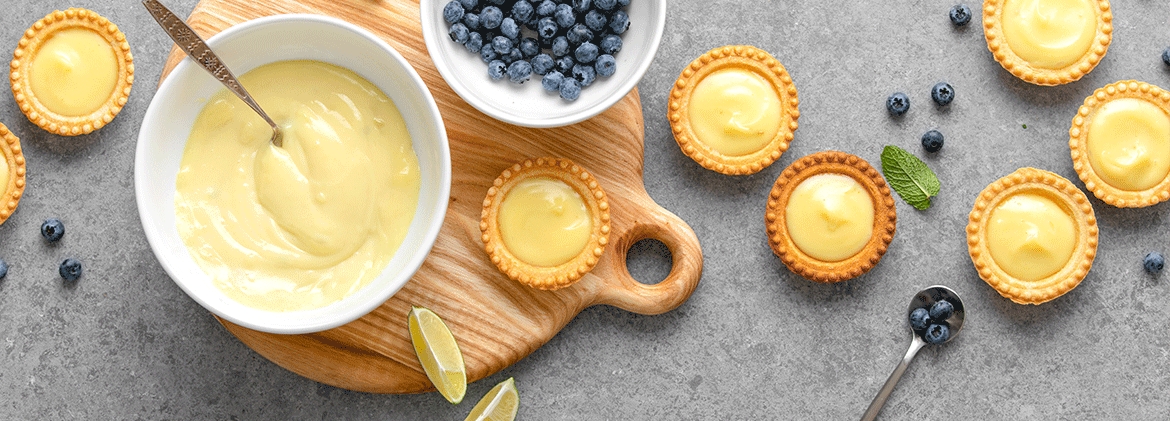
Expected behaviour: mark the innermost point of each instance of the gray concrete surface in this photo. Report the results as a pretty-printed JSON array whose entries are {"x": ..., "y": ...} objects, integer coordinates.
[{"x": 754, "y": 342}]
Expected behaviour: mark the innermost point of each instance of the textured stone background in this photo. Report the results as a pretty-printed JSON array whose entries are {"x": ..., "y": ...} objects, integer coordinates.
[{"x": 753, "y": 342}]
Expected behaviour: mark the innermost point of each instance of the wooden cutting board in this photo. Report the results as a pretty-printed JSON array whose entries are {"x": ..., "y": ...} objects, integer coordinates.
[{"x": 495, "y": 320}]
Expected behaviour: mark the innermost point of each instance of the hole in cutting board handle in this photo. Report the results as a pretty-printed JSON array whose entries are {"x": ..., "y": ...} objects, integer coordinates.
[{"x": 649, "y": 261}]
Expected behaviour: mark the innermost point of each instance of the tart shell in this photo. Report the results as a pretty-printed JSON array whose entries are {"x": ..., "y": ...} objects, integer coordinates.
[
  {"x": 885, "y": 217},
  {"x": 14, "y": 190},
  {"x": 993, "y": 31},
  {"x": 540, "y": 277},
  {"x": 1079, "y": 140},
  {"x": 30, "y": 45},
  {"x": 1061, "y": 191},
  {"x": 742, "y": 57}
]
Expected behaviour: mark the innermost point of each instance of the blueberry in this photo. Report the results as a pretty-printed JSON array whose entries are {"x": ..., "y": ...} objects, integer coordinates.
[
  {"x": 898, "y": 103},
  {"x": 523, "y": 11},
  {"x": 502, "y": 45},
  {"x": 70, "y": 270},
  {"x": 579, "y": 33},
  {"x": 1153, "y": 263},
  {"x": 932, "y": 141},
  {"x": 542, "y": 64},
  {"x": 3, "y": 268},
  {"x": 582, "y": 6},
  {"x": 586, "y": 52},
  {"x": 1166, "y": 56},
  {"x": 496, "y": 69},
  {"x": 488, "y": 53},
  {"x": 565, "y": 16},
  {"x": 942, "y": 93},
  {"x": 619, "y": 22},
  {"x": 611, "y": 44},
  {"x": 519, "y": 71},
  {"x": 512, "y": 56},
  {"x": 52, "y": 229},
  {"x": 605, "y": 5},
  {"x": 552, "y": 81},
  {"x": 459, "y": 33},
  {"x": 546, "y": 8},
  {"x": 471, "y": 21},
  {"x": 623, "y": 3},
  {"x": 960, "y": 15},
  {"x": 509, "y": 28},
  {"x": 595, "y": 21},
  {"x": 937, "y": 334},
  {"x": 565, "y": 64},
  {"x": 453, "y": 11},
  {"x": 570, "y": 89},
  {"x": 941, "y": 311},
  {"x": 584, "y": 73},
  {"x": 546, "y": 28},
  {"x": 605, "y": 65},
  {"x": 560, "y": 47},
  {"x": 529, "y": 47},
  {"x": 491, "y": 17},
  {"x": 469, "y": 4},
  {"x": 474, "y": 42},
  {"x": 919, "y": 319}
]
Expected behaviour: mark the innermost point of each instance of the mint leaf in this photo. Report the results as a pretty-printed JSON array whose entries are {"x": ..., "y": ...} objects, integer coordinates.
[{"x": 909, "y": 176}]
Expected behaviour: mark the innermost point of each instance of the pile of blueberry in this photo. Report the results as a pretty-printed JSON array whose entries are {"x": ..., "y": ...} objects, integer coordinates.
[
  {"x": 567, "y": 42},
  {"x": 932, "y": 323}
]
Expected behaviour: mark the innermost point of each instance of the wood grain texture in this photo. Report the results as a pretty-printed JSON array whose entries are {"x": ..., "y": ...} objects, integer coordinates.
[{"x": 495, "y": 320}]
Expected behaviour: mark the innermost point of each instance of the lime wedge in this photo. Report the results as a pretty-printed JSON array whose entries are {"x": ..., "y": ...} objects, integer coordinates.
[
  {"x": 438, "y": 353},
  {"x": 500, "y": 403}
]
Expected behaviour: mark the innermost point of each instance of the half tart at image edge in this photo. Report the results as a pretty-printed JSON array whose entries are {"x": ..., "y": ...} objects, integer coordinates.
[
  {"x": 1032, "y": 236},
  {"x": 734, "y": 110},
  {"x": 545, "y": 222},
  {"x": 830, "y": 217},
  {"x": 72, "y": 72},
  {"x": 1048, "y": 42},
  {"x": 12, "y": 172},
  {"x": 1120, "y": 144}
]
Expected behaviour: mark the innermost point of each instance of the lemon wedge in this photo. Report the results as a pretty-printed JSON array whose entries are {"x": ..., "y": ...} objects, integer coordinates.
[
  {"x": 438, "y": 353},
  {"x": 499, "y": 404}
]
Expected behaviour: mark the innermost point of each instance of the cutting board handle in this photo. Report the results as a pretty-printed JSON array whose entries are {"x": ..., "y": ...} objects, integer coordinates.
[{"x": 626, "y": 293}]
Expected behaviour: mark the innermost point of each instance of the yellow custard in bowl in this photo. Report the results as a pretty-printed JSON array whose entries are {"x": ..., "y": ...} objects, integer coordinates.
[
  {"x": 830, "y": 217},
  {"x": 544, "y": 222},
  {"x": 1048, "y": 42},
  {"x": 304, "y": 225}
]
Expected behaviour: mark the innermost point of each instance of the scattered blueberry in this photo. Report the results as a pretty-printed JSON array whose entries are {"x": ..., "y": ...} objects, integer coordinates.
[
  {"x": 542, "y": 64},
  {"x": 546, "y": 8},
  {"x": 565, "y": 64},
  {"x": 611, "y": 44},
  {"x": 519, "y": 71},
  {"x": 898, "y": 103},
  {"x": 1166, "y": 56},
  {"x": 565, "y": 16},
  {"x": 453, "y": 11},
  {"x": 474, "y": 42},
  {"x": 584, "y": 73},
  {"x": 570, "y": 89},
  {"x": 552, "y": 81},
  {"x": 619, "y": 22},
  {"x": 560, "y": 47},
  {"x": 491, "y": 17},
  {"x": 606, "y": 65},
  {"x": 595, "y": 20},
  {"x": 471, "y": 21},
  {"x": 496, "y": 69},
  {"x": 3, "y": 268},
  {"x": 1153, "y": 262},
  {"x": 932, "y": 141},
  {"x": 942, "y": 93},
  {"x": 586, "y": 52},
  {"x": 582, "y": 6},
  {"x": 937, "y": 334},
  {"x": 919, "y": 319},
  {"x": 70, "y": 270},
  {"x": 960, "y": 15},
  {"x": 459, "y": 33},
  {"x": 52, "y": 229},
  {"x": 523, "y": 11},
  {"x": 941, "y": 310}
]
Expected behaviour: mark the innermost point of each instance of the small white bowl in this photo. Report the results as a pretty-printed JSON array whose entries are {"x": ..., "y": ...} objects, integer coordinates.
[
  {"x": 529, "y": 104},
  {"x": 243, "y": 47}
]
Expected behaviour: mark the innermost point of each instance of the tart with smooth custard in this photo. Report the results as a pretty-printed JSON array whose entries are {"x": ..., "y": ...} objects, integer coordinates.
[
  {"x": 545, "y": 222},
  {"x": 1048, "y": 42},
  {"x": 830, "y": 217}
]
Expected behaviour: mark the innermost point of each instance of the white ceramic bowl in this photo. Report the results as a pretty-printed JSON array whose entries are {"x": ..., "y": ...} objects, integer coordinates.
[
  {"x": 529, "y": 104},
  {"x": 243, "y": 47}
]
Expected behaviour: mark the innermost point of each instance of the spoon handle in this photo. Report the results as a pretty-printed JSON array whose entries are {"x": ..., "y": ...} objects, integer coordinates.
[
  {"x": 880, "y": 400},
  {"x": 194, "y": 47}
]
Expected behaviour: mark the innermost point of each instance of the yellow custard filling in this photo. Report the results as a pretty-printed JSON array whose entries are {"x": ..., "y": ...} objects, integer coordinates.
[
  {"x": 544, "y": 222},
  {"x": 735, "y": 112},
  {"x": 1050, "y": 34},
  {"x": 4, "y": 176},
  {"x": 1030, "y": 236},
  {"x": 307, "y": 224},
  {"x": 74, "y": 72},
  {"x": 830, "y": 217},
  {"x": 1129, "y": 144}
]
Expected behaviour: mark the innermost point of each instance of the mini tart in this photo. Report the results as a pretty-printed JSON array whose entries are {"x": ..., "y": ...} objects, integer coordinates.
[
  {"x": 14, "y": 158},
  {"x": 993, "y": 30},
  {"x": 1060, "y": 191},
  {"x": 741, "y": 57},
  {"x": 1079, "y": 140},
  {"x": 885, "y": 217},
  {"x": 28, "y": 48},
  {"x": 541, "y": 277}
]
